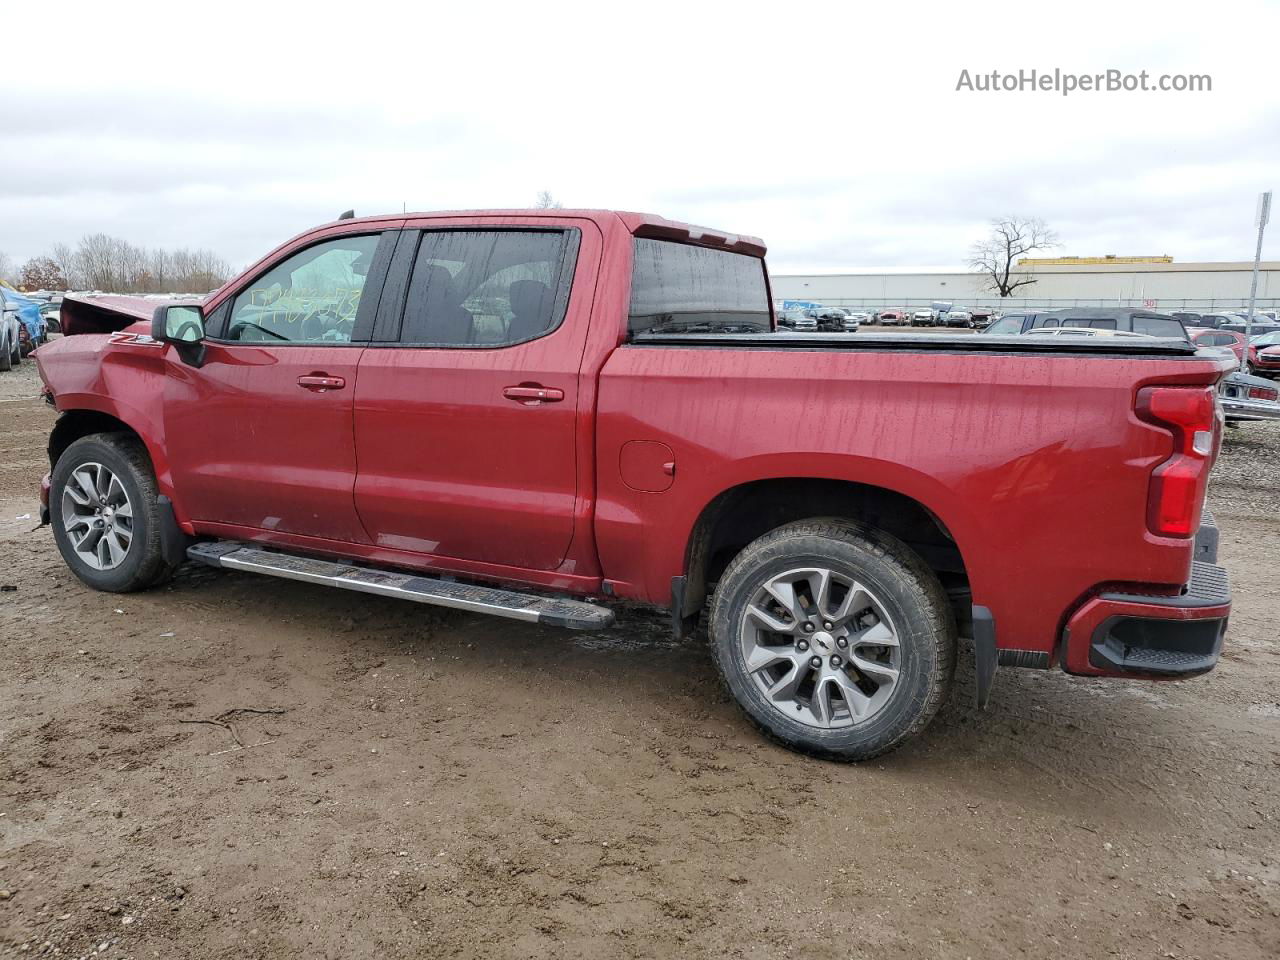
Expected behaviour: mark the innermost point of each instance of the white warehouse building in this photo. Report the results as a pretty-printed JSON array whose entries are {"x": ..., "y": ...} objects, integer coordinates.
[{"x": 1154, "y": 282}]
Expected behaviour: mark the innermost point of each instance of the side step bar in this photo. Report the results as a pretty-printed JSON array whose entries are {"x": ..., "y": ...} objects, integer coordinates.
[{"x": 572, "y": 614}]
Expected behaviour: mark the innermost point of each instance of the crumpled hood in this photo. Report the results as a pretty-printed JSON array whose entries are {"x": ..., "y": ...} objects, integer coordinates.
[{"x": 107, "y": 313}]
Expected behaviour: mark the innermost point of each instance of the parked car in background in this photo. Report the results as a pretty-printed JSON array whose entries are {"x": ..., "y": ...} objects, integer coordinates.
[
  {"x": 923, "y": 318},
  {"x": 1260, "y": 325},
  {"x": 51, "y": 317},
  {"x": 1219, "y": 338},
  {"x": 982, "y": 317},
  {"x": 1216, "y": 320},
  {"x": 860, "y": 317},
  {"x": 1039, "y": 332},
  {"x": 1096, "y": 318},
  {"x": 11, "y": 330},
  {"x": 891, "y": 317},
  {"x": 32, "y": 329},
  {"x": 1264, "y": 355},
  {"x": 836, "y": 320},
  {"x": 797, "y": 318},
  {"x": 957, "y": 317},
  {"x": 1190, "y": 319},
  {"x": 1246, "y": 397}
]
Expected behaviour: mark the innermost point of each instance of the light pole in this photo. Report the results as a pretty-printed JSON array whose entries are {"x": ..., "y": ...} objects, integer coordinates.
[{"x": 1264, "y": 214}]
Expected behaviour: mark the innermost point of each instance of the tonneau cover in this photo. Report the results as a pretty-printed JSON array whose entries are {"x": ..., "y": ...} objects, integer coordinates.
[{"x": 1105, "y": 346}]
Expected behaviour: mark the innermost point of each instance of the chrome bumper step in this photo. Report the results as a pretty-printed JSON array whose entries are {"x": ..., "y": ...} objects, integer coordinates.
[{"x": 572, "y": 614}]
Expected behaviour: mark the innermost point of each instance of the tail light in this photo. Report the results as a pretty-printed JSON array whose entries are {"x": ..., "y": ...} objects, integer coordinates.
[
  {"x": 1263, "y": 393},
  {"x": 1176, "y": 494}
]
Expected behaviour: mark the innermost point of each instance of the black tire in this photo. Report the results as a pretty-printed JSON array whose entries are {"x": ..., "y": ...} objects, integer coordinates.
[
  {"x": 912, "y": 598},
  {"x": 124, "y": 455},
  {"x": 6, "y": 359}
]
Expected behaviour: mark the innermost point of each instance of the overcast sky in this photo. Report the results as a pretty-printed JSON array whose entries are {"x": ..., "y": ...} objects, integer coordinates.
[{"x": 835, "y": 132}]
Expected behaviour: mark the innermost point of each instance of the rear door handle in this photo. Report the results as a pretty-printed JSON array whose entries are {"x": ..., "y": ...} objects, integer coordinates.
[
  {"x": 322, "y": 383},
  {"x": 534, "y": 394}
]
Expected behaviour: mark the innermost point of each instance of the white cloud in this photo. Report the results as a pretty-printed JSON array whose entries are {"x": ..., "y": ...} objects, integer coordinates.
[{"x": 836, "y": 134}]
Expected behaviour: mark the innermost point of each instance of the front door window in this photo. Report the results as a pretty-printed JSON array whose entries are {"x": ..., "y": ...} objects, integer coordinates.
[{"x": 311, "y": 297}]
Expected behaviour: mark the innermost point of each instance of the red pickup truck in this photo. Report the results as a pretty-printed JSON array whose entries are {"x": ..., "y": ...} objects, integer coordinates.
[{"x": 532, "y": 413}]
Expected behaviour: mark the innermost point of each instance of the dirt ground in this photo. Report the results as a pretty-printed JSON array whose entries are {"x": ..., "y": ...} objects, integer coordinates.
[{"x": 437, "y": 784}]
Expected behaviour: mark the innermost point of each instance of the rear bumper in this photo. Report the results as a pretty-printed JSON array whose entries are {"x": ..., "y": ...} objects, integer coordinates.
[
  {"x": 1243, "y": 409},
  {"x": 1133, "y": 635}
]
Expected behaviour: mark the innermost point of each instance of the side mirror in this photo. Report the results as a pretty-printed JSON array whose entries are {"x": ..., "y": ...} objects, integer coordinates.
[{"x": 183, "y": 326}]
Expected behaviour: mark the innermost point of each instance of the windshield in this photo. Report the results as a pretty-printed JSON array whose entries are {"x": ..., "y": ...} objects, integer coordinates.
[{"x": 1266, "y": 339}]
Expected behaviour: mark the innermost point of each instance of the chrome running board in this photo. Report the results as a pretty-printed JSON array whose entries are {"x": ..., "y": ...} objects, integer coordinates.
[{"x": 572, "y": 614}]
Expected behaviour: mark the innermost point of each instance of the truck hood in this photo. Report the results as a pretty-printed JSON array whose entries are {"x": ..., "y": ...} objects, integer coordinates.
[{"x": 107, "y": 313}]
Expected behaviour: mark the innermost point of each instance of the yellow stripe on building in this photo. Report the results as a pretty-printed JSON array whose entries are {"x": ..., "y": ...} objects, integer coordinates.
[{"x": 1085, "y": 261}]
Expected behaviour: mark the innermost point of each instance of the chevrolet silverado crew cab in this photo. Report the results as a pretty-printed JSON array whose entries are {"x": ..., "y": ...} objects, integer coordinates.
[{"x": 535, "y": 413}]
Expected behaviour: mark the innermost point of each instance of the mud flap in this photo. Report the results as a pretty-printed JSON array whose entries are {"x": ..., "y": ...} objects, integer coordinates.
[
  {"x": 984, "y": 655},
  {"x": 173, "y": 542}
]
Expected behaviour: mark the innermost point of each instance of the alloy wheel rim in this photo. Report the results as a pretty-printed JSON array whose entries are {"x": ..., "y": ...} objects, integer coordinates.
[
  {"x": 821, "y": 647},
  {"x": 97, "y": 516}
]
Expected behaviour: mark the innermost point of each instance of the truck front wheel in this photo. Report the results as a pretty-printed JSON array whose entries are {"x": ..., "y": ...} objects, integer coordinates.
[
  {"x": 105, "y": 516},
  {"x": 834, "y": 637}
]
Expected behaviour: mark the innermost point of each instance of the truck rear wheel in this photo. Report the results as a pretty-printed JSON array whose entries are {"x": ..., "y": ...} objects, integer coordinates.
[
  {"x": 6, "y": 359},
  {"x": 834, "y": 637},
  {"x": 104, "y": 512}
]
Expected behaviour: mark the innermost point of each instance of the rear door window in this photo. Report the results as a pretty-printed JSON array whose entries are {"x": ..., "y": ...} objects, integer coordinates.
[
  {"x": 682, "y": 288},
  {"x": 488, "y": 288}
]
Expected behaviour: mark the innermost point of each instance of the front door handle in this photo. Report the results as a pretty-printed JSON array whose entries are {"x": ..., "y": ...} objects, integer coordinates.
[
  {"x": 321, "y": 383},
  {"x": 532, "y": 394}
]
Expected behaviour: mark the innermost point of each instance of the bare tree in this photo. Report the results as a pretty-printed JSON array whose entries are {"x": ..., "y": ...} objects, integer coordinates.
[
  {"x": 103, "y": 262},
  {"x": 6, "y": 266},
  {"x": 1011, "y": 237},
  {"x": 68, "y": 266},
  {"x": 42, "y": 273},
  {"x": 547, "y": 202}
]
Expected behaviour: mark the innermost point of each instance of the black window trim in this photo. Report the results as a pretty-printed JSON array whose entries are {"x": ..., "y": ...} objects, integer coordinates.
[
  {"x": 389, "y": 323},
  {"x": 217, "y": 323}
]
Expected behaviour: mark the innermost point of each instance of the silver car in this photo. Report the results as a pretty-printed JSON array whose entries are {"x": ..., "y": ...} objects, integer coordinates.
[{"x": 10, "y": 333}]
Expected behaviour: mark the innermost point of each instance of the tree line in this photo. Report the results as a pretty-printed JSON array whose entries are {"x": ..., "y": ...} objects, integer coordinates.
[{"x": 103, "y": 262}]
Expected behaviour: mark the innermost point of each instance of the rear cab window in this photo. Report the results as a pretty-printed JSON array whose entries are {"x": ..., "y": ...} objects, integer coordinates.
[{"x": 683, "y": 288}]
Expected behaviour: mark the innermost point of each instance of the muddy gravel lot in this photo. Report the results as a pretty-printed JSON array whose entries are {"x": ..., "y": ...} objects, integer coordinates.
[{"x": 386, "y": 780}]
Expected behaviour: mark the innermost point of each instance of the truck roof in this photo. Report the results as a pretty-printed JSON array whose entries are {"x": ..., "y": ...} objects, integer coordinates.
[{"x": 639, "y": 224}]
